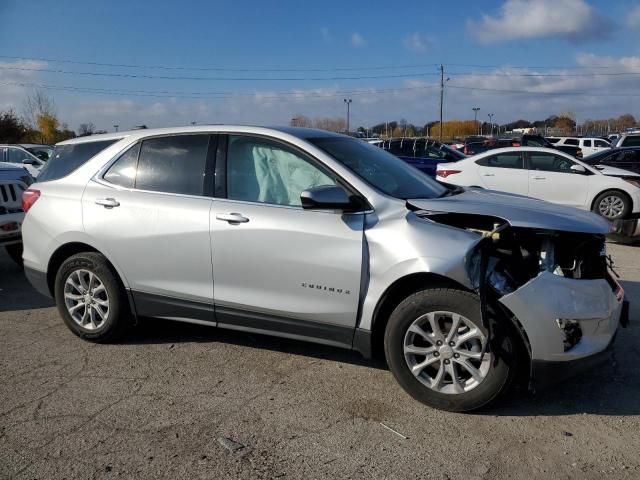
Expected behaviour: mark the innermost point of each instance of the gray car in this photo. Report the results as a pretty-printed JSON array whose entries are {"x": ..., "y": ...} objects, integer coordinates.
[{"x": 316, "y": 236}]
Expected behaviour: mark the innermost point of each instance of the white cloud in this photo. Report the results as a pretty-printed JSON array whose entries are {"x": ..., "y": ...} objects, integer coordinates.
[
  {"x": 633, "y": 18},
  {"x": 357, "y": 40},
  {"x": 529, "y": 19},
  {"x": 416, "y": 43}
]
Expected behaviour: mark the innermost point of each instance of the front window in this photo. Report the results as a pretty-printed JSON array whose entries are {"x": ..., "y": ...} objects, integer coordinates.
[
  {"x": 548, "y": 162},
  {"x": 263, "y": 171},
  {"x": 380, "y": 169},
  {"x": 17, "y": 155}
]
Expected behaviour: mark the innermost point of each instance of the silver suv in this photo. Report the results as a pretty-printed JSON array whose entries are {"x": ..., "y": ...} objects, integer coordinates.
[{"x": 315, "y": 236}]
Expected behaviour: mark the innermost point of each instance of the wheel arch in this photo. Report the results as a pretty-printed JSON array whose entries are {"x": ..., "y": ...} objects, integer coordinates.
[
  {"x": 395, "y": 293},
  {"x": 68, "y": 249}
]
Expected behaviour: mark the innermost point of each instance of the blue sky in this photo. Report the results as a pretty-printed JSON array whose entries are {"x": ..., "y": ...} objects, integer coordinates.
[{"x": 479, "y": 42}]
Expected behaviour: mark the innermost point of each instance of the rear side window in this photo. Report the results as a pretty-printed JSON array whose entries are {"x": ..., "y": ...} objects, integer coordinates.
[
  {"x": 123, "y": 171},
  {"x": 571, "y": 141},
  {"x": 67, "y": 158},
  {"x": 173, "y": 164},
  {"x": 587, "y": 143},
  {"x": 502, "y": 160}
]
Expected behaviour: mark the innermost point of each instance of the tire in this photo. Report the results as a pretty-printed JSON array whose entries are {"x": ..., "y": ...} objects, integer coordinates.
[
  {"x": 15, "y": 252},
  {"x": 612, "y": 205},
  {"x": 494, "y": 372},
  {"x": 91, "y": 318}
]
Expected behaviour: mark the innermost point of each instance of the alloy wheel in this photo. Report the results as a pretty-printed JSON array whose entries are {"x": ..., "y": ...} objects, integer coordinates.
[
  {"x": 444, "y": 351},
  {"x": 611, "y": 207},
  {"x": 86, "y": 299}
]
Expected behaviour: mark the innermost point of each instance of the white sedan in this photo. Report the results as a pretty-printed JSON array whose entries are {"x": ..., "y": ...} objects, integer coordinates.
[{"x": 548, "y": 175}]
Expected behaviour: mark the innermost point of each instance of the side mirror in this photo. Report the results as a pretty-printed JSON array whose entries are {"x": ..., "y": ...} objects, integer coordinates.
[
  {"x": 327, "y": 197},
  {"x": 578, "y": 169},
  {"x": 28, "y": 161}
]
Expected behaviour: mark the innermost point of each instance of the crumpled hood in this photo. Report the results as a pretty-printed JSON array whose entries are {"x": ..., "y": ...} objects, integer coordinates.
[{"x": 517, "y": 210}]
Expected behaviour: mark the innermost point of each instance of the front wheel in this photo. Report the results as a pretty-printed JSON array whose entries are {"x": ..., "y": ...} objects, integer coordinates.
[
  {"x": 439, "y": 352},
  {"x": 612, "y": 205}
]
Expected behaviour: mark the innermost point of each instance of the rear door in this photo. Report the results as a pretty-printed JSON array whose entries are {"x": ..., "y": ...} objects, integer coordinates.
[
  {"x": 551, "y": 179},
  {"x": 279, "y": 267},
  {"x": 504, "y": 172},
  {"x": 150, "y": 211}
]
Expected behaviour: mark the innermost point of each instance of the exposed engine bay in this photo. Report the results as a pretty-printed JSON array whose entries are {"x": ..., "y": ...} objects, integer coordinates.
[
  {"x": 507, "y": 257},
  {"x": 514, "y": 256}
]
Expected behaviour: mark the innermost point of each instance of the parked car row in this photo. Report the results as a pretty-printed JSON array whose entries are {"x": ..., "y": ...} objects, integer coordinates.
[
  {"x": 312, "y": 235},
  {"x": 476, "y": 145},
  {"x": 422, "y": 153},
  {"x": 30, "y": 156}
]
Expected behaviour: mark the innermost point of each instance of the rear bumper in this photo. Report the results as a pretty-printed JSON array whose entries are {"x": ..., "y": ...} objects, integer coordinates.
[{"x": 38, "y": 280}]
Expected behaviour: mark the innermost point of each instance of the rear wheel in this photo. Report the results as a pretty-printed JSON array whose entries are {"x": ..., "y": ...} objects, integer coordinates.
[
  {"x": 15, "y": 252},
  {"x": 612, "y": 205},
  {"x": 439, "y": 352},
  {"x": 90, "y": 298}
]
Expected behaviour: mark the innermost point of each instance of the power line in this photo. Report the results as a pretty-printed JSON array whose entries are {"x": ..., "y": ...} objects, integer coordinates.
[
  {"x": 221, "y": 69},
  {"x": 234, "y": 79},
  {"x": 299, "y": 69},
  {"x": 213, "y": 95},
  {"x": 299, "y": 79},
  {"x": 298, "y": 93}
]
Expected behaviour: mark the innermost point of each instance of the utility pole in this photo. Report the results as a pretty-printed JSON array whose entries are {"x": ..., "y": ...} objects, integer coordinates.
[
  {"x": 348, "y": 102},
  {"x": 490, "y": 115},
  {"x": 475, "y": 118},
  {"x": 441, "y": 96}
]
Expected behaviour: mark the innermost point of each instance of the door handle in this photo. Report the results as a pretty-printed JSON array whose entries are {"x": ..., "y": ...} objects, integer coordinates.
[
  {"x": 488, "y": 174},
  {"x": 539, "y": 178},
  {"x": 231, "y": 217},
  {"x": 107, "y": 202}
]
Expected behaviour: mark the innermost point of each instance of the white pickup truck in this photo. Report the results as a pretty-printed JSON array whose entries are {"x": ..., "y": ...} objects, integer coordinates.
[{"x": 13, "y": 181}]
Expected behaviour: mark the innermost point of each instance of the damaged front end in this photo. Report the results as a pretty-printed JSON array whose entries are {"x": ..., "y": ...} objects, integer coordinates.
[{"x": 554, "y": 285}]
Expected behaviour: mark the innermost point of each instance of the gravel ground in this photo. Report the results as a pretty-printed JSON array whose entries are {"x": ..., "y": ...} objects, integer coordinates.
[{"x": 182, "y": 401}]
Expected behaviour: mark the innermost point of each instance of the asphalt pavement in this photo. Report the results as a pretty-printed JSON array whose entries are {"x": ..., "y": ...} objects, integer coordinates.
[{"x": 184, "y": 401}]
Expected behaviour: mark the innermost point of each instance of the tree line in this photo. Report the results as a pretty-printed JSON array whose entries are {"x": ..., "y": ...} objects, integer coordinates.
[
  {"x": 564, "y": 123},
  {"x": 39, "y": 123}
]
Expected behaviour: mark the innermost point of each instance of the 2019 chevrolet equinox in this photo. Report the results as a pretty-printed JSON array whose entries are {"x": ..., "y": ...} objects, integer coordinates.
[{"x": 317, "y": 236}]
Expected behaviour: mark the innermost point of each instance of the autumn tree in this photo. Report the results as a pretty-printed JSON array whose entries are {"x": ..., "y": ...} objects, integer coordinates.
[
  {"x": 38, "y": 104},
  {"x": 454, "y": 128}
]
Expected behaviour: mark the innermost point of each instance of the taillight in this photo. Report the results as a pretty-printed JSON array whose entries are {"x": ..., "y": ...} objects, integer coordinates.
[
  {"x": 446, "y": 173},
  {"x": 29, "y": 197}
]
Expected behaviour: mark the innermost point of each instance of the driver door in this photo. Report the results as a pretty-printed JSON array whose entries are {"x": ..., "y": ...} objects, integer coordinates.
[{"x": 551, "y": 179}]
